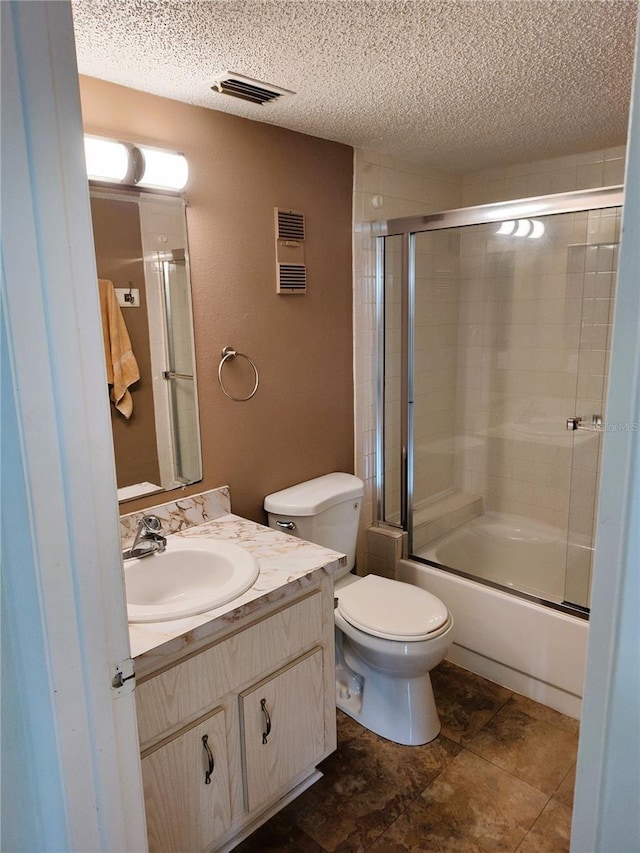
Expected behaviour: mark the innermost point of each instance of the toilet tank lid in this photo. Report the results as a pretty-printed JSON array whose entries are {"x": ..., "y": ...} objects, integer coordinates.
[{"x": 316, "y": 495}]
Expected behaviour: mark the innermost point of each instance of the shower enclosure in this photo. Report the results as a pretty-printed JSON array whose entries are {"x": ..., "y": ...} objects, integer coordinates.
[{"x": 494, "y": 351}]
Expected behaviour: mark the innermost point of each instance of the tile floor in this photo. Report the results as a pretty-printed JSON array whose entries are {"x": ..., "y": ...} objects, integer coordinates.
[{"x": 499, "y": 777}]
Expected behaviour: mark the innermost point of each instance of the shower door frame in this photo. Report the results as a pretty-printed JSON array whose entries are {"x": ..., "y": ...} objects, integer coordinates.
[{"x": 407, "y": 228}]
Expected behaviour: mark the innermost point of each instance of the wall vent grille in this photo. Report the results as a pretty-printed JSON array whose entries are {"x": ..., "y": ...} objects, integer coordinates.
[
  {"x": 292, "y": 278},
  {"x": 290, "y": 225},
  {"x": 291, "y": 272},
  {"x": 254, "y": 91}
]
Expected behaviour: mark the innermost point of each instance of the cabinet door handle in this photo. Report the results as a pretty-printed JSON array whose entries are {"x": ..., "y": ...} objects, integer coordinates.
[
  {"x": 207, "y": 775},
  {"x": 267, "y": 720}
]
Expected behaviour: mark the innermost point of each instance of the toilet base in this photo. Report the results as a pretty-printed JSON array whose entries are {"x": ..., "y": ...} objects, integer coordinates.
[{"x": 402, "y": 710}]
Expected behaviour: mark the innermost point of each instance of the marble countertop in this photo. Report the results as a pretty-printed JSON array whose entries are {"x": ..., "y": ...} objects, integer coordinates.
[{"x": 286, "y": 565}]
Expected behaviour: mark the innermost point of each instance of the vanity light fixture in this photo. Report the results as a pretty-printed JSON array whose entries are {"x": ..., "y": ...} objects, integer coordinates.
[
  {"x": 537, "y": 230},
  {"x": 507, "y": 227},
  {"x": 107, "y": 160},
  {"x": 532, "y": 228},
  {"x": 135, "y": 165},
  {"x": 164, "y": 170}
]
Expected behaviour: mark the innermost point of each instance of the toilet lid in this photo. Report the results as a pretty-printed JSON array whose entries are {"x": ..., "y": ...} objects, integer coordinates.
[{"x": 391, "y": 609}]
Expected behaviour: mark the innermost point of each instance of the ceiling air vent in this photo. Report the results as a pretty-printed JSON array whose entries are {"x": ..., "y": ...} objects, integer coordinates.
[
  {"x": 291, "y": 272},
  {"x": 247, "y": 89}
]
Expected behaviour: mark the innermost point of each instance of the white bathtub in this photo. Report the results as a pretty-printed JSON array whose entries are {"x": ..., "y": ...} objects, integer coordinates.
[
  {"x": 513, "y": 551},
  {"x": 528, "y": 647}
]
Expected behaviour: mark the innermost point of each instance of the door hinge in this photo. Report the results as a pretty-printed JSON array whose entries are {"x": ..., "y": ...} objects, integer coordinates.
[{"x": 124, "y": 672}]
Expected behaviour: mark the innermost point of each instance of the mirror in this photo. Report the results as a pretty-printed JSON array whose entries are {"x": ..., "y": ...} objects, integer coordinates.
[{"x": 141, "y": 247}]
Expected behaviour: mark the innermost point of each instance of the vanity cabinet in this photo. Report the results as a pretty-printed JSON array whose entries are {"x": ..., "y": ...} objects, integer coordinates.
[
  {"x": 184, "y": 810},
  {"x": 263, "y": 696},
  {"x": 282, "y": 728}
]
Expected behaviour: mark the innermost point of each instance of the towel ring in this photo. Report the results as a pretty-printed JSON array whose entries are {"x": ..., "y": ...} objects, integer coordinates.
[{"x": 228, "y": 354}]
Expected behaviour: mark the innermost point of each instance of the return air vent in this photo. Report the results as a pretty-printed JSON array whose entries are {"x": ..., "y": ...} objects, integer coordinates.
[
  {"x": 290, "y": 225},
  {"x": 292, "y": 278},
  {"x": 291, "y": 272},
  {"x": 254, "y": 91}
]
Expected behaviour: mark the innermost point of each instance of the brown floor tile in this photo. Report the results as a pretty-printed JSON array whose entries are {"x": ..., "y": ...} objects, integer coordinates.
[
  {"x": 409, "y": 768},
  {"x": 530, "y": 743},
  {"x": 472, "y": 806},
  {"x": 551, "y": 833},
  {"x": 281, "y": 835},
  {"x": 466, "y": 702},
  {"x": 347, "y": 727},
  {"x": 489, "y": 797},
  {"x": 542, "y": 712},
  {"x": 349, "y": 816},
  {"x": 420, "y": 844},
  {"x": 367, "y": 783},
  {"x": 564, "y": 792}
]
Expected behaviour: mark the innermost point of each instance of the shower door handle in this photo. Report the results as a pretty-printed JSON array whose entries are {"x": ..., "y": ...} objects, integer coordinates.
[{"x": 595, "y": 425}]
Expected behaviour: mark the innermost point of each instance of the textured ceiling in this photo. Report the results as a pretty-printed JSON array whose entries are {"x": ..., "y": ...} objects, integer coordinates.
[{"x": 456, "y": 84}]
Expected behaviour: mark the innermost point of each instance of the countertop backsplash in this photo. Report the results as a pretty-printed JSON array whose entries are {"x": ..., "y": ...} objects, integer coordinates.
[{"x": 179, "y": 514}]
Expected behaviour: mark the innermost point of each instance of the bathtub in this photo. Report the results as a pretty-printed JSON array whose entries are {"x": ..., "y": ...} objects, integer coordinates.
[
  {"x": 528, "y": 647},
  {"x": 513, "y": 551}
]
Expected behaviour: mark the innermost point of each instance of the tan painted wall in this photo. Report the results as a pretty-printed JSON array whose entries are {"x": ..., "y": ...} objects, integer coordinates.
[{"x": 300, "y": 423}]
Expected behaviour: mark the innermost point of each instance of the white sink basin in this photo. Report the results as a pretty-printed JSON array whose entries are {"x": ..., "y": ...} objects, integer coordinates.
[{"x": 190, "y": 577}]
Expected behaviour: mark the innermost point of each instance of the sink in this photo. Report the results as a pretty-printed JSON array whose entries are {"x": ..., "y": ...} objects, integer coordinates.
[{"x": 191, "y": 576}]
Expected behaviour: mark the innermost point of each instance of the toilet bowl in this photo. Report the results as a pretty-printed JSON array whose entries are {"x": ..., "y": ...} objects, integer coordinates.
[{"x": 389, "y": 635}]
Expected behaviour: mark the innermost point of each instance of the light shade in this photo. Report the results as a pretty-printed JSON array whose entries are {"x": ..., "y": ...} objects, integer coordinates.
[
  {"x": 531, "y": 228},
  {"x": 537, "y": 230},
  {"x": 164, "y": 170},
  {"x": 107, "y": 160},
  {"x": 524, "y": 228}
]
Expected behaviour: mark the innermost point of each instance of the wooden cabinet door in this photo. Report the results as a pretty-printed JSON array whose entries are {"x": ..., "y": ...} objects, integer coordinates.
[
  {"x": 184, "y": 811},
  {"x": 283, "y": 727}
]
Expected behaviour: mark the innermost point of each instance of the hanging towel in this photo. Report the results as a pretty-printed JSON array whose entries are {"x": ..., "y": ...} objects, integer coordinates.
[{"x": 122, "y": 367}]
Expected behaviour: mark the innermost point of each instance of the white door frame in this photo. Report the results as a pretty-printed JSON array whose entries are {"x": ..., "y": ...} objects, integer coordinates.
[
  {"x": 62, "y": 575},
  {"x": 66, "y": 539},
  {"x": 606, "y": 816}
]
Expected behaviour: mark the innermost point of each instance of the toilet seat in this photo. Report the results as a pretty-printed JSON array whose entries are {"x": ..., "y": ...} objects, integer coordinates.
[{"x": 392, "y": 610}]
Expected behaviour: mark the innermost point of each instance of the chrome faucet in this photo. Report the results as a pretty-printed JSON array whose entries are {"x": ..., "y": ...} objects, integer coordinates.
[{"x": 148, "y": 539}]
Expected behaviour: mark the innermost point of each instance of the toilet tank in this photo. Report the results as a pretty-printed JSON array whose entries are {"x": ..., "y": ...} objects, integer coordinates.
[{"x": 325, "y": 511}]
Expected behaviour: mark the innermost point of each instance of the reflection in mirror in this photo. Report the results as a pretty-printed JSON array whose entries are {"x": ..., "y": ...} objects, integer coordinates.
[{"x": 141, "y": 246}]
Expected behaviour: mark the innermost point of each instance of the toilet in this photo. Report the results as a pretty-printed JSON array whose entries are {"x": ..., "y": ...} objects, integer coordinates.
[{"x": 389, "y": 635}]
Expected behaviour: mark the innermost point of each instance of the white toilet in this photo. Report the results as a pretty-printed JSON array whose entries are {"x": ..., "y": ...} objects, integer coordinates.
[{"x": 389, "y": 635}]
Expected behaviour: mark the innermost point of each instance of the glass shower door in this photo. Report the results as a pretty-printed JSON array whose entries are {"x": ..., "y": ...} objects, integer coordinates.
[
  {"x": 597, "y": 262},
  {"x": 392, "y": 352},
  {"x": 510, "y": 329}
]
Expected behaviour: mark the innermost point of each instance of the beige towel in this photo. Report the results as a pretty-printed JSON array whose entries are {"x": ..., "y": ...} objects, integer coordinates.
[{"x": 122, "y": 367}]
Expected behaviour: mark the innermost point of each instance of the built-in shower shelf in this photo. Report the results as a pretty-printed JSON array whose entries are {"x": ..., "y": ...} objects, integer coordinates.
[{"x": 437, "y": 516}]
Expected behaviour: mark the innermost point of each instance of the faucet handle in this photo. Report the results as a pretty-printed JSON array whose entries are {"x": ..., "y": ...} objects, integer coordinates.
[
  {"x": 152, "y": 523},
  {"x": 148, "y": 539}
]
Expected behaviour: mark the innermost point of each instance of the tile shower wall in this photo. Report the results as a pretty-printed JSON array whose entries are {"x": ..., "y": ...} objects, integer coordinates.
[
  {"x": 542, "y": 177},
  {"x": 384, "y": 188},
  {"x": 555, "y": 482},
  {"x": 436, "y": 322},
  {"x": 444, "y": 461},
  {"x": 597, "y": 262},
  {"x": 532, "y": 352}
]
